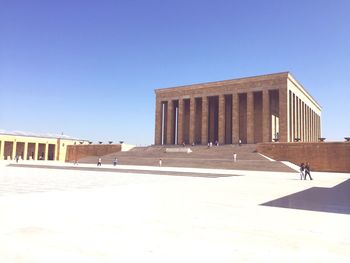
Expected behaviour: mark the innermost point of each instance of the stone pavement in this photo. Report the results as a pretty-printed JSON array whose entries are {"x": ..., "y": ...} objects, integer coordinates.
[{"x": 65, "y": 215}]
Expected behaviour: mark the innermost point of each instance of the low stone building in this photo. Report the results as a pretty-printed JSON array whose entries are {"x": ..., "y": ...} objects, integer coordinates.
[
  {"x": 29, "y": 146},
  {"x": 266, "y": 108}
]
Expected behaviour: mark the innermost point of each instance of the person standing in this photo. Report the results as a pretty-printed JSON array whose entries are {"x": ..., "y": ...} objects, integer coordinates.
[
  {"x": 160, "y": 162},
  {"x": 302, "y": 169},
  {"x": 307, "y": 171},
  {"x": 239, "y": 142},
  {"x": 234, "y": 157},
  {"x": 99, "y": 162},
  {"x": 115, "y": 161}
]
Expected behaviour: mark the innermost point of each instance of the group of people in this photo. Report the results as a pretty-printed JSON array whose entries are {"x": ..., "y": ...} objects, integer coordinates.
[
  {"x": 304, "y": 171},
  {"x": 99, "y": 161},
  {"x": 210, "y": 144}
]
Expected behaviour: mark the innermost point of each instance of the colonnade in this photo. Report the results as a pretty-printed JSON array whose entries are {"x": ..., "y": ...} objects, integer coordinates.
[
  {"x": 9, "y": 149},
  {"x": 253, "y": 116},
  {"x": 305, "y": 123}
]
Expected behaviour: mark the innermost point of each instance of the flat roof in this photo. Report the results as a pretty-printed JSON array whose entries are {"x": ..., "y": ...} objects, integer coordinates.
[
  {"x": 229, "y": 81},
  {"x": 39, "y": 135}
]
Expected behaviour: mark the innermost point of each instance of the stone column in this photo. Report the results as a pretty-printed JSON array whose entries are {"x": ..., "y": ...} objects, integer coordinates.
[
  {"x": 204, "y": 120},
  {"x": 192, "y": 119},
  {"x": 302, "y": 122},
  {"x": 158, "y": 123},
  {"x": 36, "y": 151},
  {"x": 295, "y": 118},
  {"x": 313, "y": 126},
  {"x": 180, "y": 122},
  {"x": 235, "y": 117},
  {"x": 14, "y": 148},
  {"x": 221, "y": 119},
  {"x": 250, "y": 117},
  {"x": 25, "y": 151},
  {"x": 46, "y": 151},
  {"x": 170, "y": 123},
  {"x": 306, "y": 124},
  {"x": 282, "y": 112},
  {"x": 266, "y": 126},
  {"x": 319, "y": 126},
  {"x": 2, "y": 147},
  {"x": 291, "y": 121},
  {"x": 309, "y": 124}
]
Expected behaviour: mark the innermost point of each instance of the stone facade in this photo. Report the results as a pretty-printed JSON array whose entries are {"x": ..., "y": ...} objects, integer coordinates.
[{"x": 255, "y": 109}]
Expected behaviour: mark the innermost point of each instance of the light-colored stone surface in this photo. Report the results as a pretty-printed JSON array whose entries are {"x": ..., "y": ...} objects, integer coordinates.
[{"x": 80, "y": 216}]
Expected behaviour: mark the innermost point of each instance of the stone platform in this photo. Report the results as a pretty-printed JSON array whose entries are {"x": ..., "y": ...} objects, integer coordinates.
[
  {"x": 216, "y": 157},
  {"x": 86, "y": 215}
]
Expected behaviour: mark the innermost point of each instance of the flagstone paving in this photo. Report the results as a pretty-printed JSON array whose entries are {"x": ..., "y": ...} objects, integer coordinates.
[{"x": 144, "y": 215}]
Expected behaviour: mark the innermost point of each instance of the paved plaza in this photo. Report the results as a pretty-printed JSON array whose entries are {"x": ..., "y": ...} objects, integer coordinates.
[{"x": 53, "y": 212}]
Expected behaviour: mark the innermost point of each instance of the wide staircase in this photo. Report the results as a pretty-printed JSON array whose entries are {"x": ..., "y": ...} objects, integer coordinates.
[{"x": 219, "y": 157}]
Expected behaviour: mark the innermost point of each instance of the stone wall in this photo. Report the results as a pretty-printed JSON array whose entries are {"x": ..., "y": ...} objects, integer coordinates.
[
  {"x": 76, "y": 152},
  {"x": 322, "y": 156}
]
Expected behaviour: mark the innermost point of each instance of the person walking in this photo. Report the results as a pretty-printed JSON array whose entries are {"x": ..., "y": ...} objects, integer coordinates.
[
  {"x": 160, "y": 162},
  {"x": 307, "y": 171},
  {"x": 239, "y": 142},
  {"x": 234, "y": 157},
  {"x": 115, "y": 161},
  {"x": 99, "y": 162},
  {"x": 302, "y": 171}
]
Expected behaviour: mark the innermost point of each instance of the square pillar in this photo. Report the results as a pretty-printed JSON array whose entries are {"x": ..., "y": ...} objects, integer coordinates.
[
  {"x": 295, "y": 117},
  {"x": 2, "y": 146},
  {"x": 282, "y": 112},
  {"x": 158, "y": 123},
  {"x": 36, "y": 151},
  {"x": 180, "y": 122},
  {"x": 291, "y": 120},
  {"x": 192, "y": 119},
  {"x": 235, "y": 118},
  {"x": 204, "y": 135},
  {"x": 170, "y": 123},
  {"x": 46, "y": 151},
  {"x": 25, "y": 152},
  {"x": 266, "y": 116},
  {"x": 221, "y": 119},
  {"x": 301, "y": 121},
  {"x": 14, "y": 148},
  {"x": 250, "y": 117}
]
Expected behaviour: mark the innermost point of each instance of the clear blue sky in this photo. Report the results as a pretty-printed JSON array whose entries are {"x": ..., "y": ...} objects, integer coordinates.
[{"x": 89, "y": 67}]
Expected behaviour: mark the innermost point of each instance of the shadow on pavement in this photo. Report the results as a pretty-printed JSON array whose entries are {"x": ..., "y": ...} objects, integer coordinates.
[
  {"x": 116, "y": 170},
  {"x": 330, "y": 200}
]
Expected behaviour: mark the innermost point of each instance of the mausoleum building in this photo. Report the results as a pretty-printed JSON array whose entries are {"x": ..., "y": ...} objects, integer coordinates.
[{"x": 274, "y": 107}]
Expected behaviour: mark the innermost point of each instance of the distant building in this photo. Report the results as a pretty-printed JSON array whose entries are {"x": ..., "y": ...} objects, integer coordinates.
[
  {"x": 29, "y": 146},
  {"x": 265, "y": 108}
]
